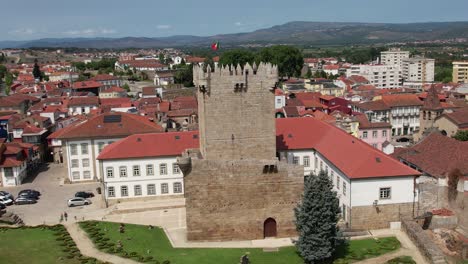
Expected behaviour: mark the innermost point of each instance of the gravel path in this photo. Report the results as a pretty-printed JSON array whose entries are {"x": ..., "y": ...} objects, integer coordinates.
[{"x": 86, "y": 246}]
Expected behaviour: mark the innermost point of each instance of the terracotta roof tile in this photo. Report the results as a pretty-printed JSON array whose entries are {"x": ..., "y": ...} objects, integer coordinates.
[
  {"x": 112, "y": 125},
  {"x": 352, "y": 156},
  {"x": 151, "y": 145}
]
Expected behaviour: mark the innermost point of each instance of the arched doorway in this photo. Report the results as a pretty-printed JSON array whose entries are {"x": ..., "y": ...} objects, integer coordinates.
[{"x": 269, "y": 228}]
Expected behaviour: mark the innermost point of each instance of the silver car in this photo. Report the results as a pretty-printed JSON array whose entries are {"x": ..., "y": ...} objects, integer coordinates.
[{"x": 78, "y": 201}]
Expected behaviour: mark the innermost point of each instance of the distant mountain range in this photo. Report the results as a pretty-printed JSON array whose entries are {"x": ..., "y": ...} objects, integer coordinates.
[{"x": 290, "y": 33}]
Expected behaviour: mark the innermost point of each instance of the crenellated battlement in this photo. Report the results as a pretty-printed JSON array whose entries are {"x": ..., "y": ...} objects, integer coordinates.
[{"x": 234, "y": 77}]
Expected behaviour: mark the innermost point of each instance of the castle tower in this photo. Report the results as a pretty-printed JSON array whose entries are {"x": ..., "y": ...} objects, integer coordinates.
[
  {"x": 236, "y": 109},
  {"x": 431, "y": 109},
  {"x": 235, "y": 187}
]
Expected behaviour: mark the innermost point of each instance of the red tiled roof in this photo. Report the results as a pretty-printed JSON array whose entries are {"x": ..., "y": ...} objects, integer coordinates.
[
  {"x": 104, "y": 77},
  {"x": 331, "y": 67},
  {"x": 458, "y": 117},
  {"x": 396, "y": 100},
  {"x": 194, "y": 59},
  {"x": 9, "y": 162},
  {"x": 114, "y": 89},
  {"x": 364, "y": 123},
  {"x": 358, "y": 79},
  {"x": 143, "y": 63},
  {"x": 117, "y": 102},
  {"x": 149, "y": 90},
  {"x": 86, "y": 85},
  {"x": 437, "y": 155},
  {"x": 352, "y": 156},
  {"x": 181, "y": 112},
  {"x": 151, "y": 145},
  {"x": 83, "y": 100},
  {"x": 96, "y": 127}
]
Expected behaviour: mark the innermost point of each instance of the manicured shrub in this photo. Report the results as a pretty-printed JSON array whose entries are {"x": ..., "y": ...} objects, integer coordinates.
[{"x": 166, "y": 262}]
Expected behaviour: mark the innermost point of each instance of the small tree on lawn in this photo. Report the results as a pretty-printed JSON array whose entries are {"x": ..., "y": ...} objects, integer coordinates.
[
  {"x": 316, "y": 220},
  {"x": 461, "y": 135},
  {"x": 37, "y": 71}
]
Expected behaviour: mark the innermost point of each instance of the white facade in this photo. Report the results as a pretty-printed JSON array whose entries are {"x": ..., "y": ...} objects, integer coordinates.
[
  {"x": 353, "y": 192},
  {"x": 381, "y": 76},
  {"x": 81, "y": 158},
  {"x": 365, "y": 192},
  {"x": 280, "y": 101},
  {"x": 394, "y": 57},
  {"x": 142, "y": 177},
  {"x": 14, "y": 176},
  {"x": 418, "y": 70},
  {"x": 80, "y": 110},
  {"x": 404, "y": 120}
]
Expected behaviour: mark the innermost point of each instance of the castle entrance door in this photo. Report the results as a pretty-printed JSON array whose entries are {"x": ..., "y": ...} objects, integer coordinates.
[{"x": 269, "y": 228}]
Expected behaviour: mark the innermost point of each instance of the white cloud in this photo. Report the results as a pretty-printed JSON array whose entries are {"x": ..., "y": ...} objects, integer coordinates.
[
  {"x": 239, "y": 24},
  {"x": 164, "y": 27},
  {"x": 90, "y": 32},
  {"x": 22, "y": 31}
]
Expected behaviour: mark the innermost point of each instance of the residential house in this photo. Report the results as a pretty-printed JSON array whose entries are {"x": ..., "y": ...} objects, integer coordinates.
[
  {"x": 143, "y": 166},
  {"x": 82, "y": 143},
  {"x": 382, "y": 76},
  {"x": 451, "y": 122},
  {"x": 13, "y": 164},
  {"x": 370, "y": 185},
  {"x": 113, "y": 92},
  {"x": 164, "y": 78},
  {"x": 79, "y": 105},
  {"x": 376, "y": 134},
  {"x": 87, "y": 86},
  {"x": 107, "y": 80}
]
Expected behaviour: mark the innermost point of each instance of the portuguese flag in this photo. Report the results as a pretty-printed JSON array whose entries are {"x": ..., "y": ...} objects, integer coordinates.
[{"x": 215, "y": 45}]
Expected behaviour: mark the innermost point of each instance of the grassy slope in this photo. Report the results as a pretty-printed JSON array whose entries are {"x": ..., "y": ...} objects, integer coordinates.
[
  {"x": 140, "y": 239},
  {"x": 31, "y": 245}
]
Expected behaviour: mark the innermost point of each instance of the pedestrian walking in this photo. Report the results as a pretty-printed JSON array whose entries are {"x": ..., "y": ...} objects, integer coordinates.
[
  {"x": 65, "y": 215},
  {"x": 61, "y": 218}
]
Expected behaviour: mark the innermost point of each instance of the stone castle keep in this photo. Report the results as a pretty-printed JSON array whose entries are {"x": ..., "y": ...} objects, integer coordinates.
[{"x": 235, "y": 187}]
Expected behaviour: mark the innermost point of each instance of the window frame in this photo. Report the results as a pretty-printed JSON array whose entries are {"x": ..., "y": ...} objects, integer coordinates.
[
  {"x": 111, "y": 170},
  {"x": 73, "y": 149},
  {"x": 163, "y": 169},
  {"x": 148, "y": 166},
  {"x": 122, "y": 193},
  {"x": 109, "y": 190},
  {"x": 83, "y": 163},
  {"x": 136, "y": 168},
  {"x": 306, "y": 161},
  {"x": 389, "y": 193},
  {"x": 164, "y": 190},
  {"x": 84, "y": 150},
  {"x": 178, "y": 189},
  {"x": 175, "y": 168},
  {"x": 139, "y": 192},
  {"x": 75, "y": 163},
  {"x": 125, "y": 170},
  {"x": 148, "y": 189}
]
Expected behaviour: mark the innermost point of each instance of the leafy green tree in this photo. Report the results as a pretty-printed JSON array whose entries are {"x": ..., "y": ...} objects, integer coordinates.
[
  {"x": 184, "y": 75},
  {"x": 289, "y": 59},
  {"x": 161, "y": 58},
  {"x": 316, "y": 220},
  {"x": 443, "y": 74},
  {"x": 461, "y": 135},
  {"x": 237, "y": 56},
  {"x": 308, "y": 74},
  {"x": 37, "y": 71},
  {"x": 8, "y": 79},
  {"x": 126, "y": 87},
  {"x": 80, "y": 66},
  {"x": 3, "y": 71}
]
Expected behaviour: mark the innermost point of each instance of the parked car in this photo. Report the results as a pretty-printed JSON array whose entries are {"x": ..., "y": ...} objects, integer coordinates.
[
  {"x": 4, "y": 194},
  {"x": 84, "y": 194},
  {"x": 33, "y": 192},
  {"x": 78, "y": 201},
  {"x": 6, "y": 201},
  {"x": 25, "y": 200},
  {"x": 28, "y": 195}
]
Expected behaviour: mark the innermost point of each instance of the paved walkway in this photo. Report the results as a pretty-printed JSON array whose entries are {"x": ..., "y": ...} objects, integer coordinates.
[
  {"x": 407, "y": 247},
  {"x": 86, "y": 246}
]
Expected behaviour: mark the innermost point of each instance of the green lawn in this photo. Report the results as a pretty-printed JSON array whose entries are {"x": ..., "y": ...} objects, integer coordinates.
[
  {"x": 36, "y": 246},
  {"x": 146, "y": 242}
]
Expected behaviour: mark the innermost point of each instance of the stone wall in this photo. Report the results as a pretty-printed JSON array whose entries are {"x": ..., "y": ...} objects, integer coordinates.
[
  {"x": 236, "y": 112},
  {"x": 421, "y": 239},
  {"x": 230, "y": 200},
  {"x": 370, "y": 217}
]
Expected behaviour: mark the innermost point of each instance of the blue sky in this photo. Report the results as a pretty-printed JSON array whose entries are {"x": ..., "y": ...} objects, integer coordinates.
[{"x": 21, "y": 20}]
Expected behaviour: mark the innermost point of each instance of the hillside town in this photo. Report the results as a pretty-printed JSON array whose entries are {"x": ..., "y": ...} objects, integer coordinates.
[{"x": 217, "y": 150}]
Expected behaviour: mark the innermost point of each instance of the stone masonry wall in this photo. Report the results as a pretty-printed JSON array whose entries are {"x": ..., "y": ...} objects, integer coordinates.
[
  {"x": 230, "y": 200},
  {"x": 421, "y": 239},
  {"x": 236, "y": 112},
  {"x": 370, "y": 217}
]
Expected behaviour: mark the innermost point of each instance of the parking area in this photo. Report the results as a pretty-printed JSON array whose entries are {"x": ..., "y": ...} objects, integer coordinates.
[{"x": 53, "y": 201}]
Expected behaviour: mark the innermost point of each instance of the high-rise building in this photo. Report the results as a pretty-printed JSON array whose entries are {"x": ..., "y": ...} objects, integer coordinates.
[
  {"x": 381, "y": 76},
  {"x": 394, "y": 56},
  {"x": 418, "y": 69},
  {"x": 460, "y": 71}
]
